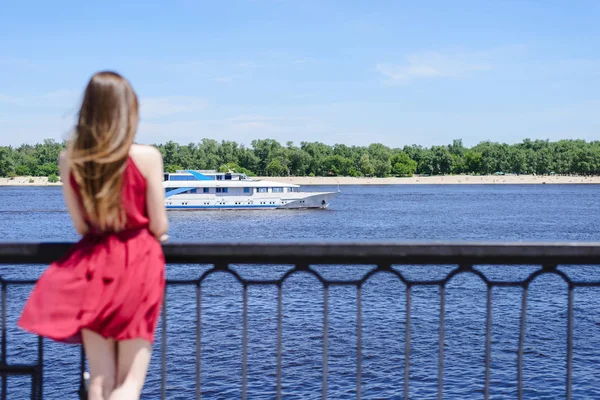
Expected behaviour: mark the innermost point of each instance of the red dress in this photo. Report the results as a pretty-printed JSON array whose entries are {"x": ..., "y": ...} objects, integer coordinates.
[{"x": 110, "y": 283}]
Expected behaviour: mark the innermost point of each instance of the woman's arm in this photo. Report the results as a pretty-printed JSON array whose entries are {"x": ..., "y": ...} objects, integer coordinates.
[
  {"x": 155, "y": 196},
  {"x": 73, "y": 204}
]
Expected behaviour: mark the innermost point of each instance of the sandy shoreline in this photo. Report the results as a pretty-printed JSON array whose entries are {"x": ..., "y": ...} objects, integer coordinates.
[
  {"x": 419, "y": 180},
  {"x": 27, "y": 181},
  {"x": 441, "y": 180}
]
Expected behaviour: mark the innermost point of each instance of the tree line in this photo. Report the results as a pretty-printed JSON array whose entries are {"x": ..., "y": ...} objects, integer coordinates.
[{"x": 267, "y": 157}]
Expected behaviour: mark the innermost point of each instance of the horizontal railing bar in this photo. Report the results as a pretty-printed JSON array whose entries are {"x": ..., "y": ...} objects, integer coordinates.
[
  {"x": 367, "y": 253},
  {"x": 18, "y": 369},
  {"x": 250, "y": 282},
  {"x": 275, "y": 282},
  {"x": 18, "y": 281}
]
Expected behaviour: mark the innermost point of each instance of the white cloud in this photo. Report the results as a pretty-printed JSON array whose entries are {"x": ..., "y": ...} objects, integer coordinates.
[
  {"x": 16, "y": 130},
  {"x": 156, "y": 107},
  {"x": 433, "y": 65},
  {"x": 65, "y": 97},
  {"x": 245, "y": 65},
  {"x": 57, "y": 98},
  {"x": 241, "y": 128}
]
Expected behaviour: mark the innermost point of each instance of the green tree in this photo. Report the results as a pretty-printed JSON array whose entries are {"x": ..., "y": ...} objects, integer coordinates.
[
  {"x": 366, "y": 166},
  {"x": 173, "y": 168},
  {"x": 378, "y": 151},
  {"x": 276, "y": 168},
  {"x": 518, "y": 161},
  {"x": 170, "y": 153},
  {"x": 48, "y": 169},
  {"x": 442, "y": 160},
  {"x": 457, "y": 148},
  {"x": 426, "y": 162},
  {"x": 337, "y": 165},
  {"x": 299, "y": 161},
  {"x": 228, "y": 152},
  {"x": 458, "y": 164},
  {"x": 317, "y": 152},
  {"x": 208, "y": 154},
  {"x": 265, "y": 150},
  {"x": 247, "y": 159},
  {"x": 22, "y": 170},
  {"x": 382, "y": 168},
  {"x": 403, "y": 165},
  {"x": 473, "y": 162},
  {"x": 6, "y": 162}
]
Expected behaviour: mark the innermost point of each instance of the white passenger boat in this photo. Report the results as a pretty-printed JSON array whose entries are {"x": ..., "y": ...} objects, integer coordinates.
[{"x": 210, "y": 190}]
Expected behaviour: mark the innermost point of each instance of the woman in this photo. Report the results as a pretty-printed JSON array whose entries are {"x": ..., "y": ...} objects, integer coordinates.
[{"x": 107, "y": 291}]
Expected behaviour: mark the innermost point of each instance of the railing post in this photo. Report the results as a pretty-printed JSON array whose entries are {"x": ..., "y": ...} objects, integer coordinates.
[
  {"x": 521, "y": 342},
  {"x": 488, "y": 342},
  {"x": 358, "y": 341},
  {"x": 279, "y": 337},
  {"x": 570, "y": 343},
  {"x": 441, "y": 342},
  {"x": 198, "y": 340},
  {"x": 3, "y": 358},
  {"x": 325, "y": 339},
  {"x": 163, "y": 350},
  {"x": 407, "y": 344}
]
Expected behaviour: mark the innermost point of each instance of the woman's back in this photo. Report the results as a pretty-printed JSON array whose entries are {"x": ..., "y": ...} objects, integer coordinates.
[
  {"x": 134, "y": 189},
  {"x": 142, "y": 195},
  {"x": 133, "y": 198}
]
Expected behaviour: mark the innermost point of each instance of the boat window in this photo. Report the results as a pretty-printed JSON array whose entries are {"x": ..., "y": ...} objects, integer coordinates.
[
  {"x": 222, "y": 190},
  {"x": 262, "y": 190},
  {"x": 246, "y": 190},
  {"x": 181, "y": 178},
  {"x": 205, "y": 190},
  {"x": 277, "y": 190}
]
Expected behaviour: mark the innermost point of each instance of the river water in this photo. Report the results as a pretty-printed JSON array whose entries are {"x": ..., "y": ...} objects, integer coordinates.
[{"x": 408, "y": 212}]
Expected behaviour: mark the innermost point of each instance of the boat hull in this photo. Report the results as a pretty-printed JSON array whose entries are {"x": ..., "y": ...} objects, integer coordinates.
[{"x": 298, "y": 200}]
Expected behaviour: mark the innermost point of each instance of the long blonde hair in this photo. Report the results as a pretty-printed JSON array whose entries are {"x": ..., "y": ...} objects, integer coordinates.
[{"x": 98, "y": 151}]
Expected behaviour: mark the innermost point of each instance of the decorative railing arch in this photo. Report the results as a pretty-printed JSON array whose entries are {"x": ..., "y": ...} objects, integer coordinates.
[{"x": 302, "y": 258}]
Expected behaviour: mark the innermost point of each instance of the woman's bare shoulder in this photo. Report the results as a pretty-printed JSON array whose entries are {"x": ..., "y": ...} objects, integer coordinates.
[
  {"x": 145, "y": 157},
  {"x": 63, "y": 165}
]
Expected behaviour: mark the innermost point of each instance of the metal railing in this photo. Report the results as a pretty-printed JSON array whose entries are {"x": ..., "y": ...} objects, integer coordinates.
[{"x": 383, "y": 256}]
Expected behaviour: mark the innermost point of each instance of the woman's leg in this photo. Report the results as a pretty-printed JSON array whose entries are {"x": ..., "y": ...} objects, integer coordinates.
[
  {"x": 132, "y": 365},
  {"x": 102, "y": 361}
]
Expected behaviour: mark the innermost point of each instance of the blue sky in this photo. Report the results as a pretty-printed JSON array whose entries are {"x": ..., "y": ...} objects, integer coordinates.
[{"x": 354, "y": 72}]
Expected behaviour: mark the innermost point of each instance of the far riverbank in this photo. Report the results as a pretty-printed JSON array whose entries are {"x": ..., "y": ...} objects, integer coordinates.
[{"x": 415, "y": 180}]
